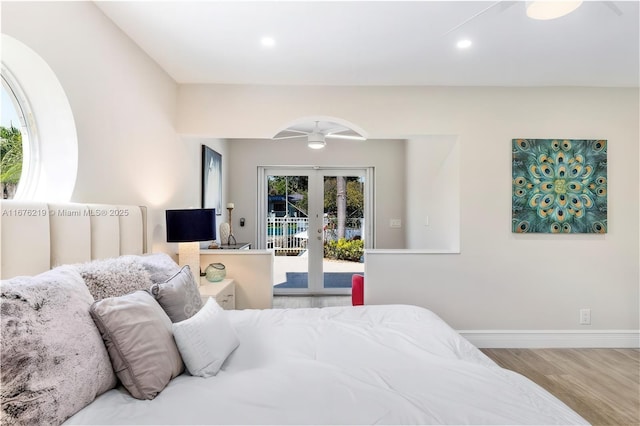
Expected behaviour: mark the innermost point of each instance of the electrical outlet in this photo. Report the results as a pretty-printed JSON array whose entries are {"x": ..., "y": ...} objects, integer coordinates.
[
  {"x": 585, "y": 316},
  {"x": 395, "y": 223}
]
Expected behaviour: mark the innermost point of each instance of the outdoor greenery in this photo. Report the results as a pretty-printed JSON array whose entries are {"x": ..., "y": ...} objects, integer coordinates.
[
  {"x": 343, "y": 208},
  {"x": 289, "y": 185},
  {"x": 10, "y": 160},
  {"x": 343, "y": 249},
  {"x": 355, "y": 197}
]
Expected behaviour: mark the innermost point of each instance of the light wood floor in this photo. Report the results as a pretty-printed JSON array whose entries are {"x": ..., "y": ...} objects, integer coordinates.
[{"x": 602, "y": 385}]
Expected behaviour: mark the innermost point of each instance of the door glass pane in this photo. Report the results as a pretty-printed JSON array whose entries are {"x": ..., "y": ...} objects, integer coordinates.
[
  {"x": 343, "y": 230},
  {"x": 287, "y": 231}
]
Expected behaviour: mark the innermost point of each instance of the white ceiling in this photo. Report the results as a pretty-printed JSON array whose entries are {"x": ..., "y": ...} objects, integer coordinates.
[{"x": 384, "y": 42}]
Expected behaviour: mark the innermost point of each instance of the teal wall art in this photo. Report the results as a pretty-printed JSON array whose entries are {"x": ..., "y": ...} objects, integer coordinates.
[{"x": 559, "y": 186}]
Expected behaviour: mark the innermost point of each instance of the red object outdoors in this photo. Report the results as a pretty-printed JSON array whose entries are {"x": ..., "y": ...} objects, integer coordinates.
[{"x": 357, "y": 289}]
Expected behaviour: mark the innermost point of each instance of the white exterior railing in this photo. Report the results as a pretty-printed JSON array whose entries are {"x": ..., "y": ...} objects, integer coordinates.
[
  {"x": 290, "y": 234},
  {"x": 287, "y": 233}
]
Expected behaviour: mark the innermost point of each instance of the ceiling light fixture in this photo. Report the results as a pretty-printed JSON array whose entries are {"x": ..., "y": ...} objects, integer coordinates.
[
  {"x": 316, "y": 140},
  {"x": 463, "y": 44},
  {"x": 268, "y": 41},
  {"x": 550, "y": 9},
  {"x": 316, "y": 134}
]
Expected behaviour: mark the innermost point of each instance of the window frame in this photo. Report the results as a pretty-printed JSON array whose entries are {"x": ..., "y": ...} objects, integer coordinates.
[{"x": 27, "y": 127}]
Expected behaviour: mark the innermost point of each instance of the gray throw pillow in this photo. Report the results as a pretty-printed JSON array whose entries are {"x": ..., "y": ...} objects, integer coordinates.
[
  {"x": 114, "y": 277},
  {"x": 160, "y": 266},
  {"x": 54, "y": 361},
  {"x": 138, "y": 337},
  {"x": 179, "y": 295}
]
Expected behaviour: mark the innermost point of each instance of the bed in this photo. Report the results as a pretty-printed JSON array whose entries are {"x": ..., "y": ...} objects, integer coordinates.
[
  {"x": 387, "y": 364},
  {"x": 343, "y": 365}
]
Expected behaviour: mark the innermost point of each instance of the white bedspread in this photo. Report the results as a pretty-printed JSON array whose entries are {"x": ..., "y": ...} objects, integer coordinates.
[{"x": 346, "y": 365}]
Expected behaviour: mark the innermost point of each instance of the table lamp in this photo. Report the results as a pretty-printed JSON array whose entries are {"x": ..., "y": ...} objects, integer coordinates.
[{"x": 187, "y": 227}]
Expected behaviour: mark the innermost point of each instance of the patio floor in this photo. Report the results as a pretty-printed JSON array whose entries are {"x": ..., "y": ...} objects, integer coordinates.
[
  {"x": 288, "y": 269},
  {"x": 331, "y": 280}
]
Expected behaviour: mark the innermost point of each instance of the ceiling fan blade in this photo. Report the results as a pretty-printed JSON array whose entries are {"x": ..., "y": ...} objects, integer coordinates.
[
  {"x": 342, "y": 133},
  {"x": 343, "y": 136},
  {"x": 335, "y": 130},
  {"x": 504, "y": 5},
  {"x": 301, "y": 132},
  {"x": 466, "y": 21},
  {"x": 611, "y": 5},
  {"x": 279, "y": 138},
  {"x": 289, "y": 134}
]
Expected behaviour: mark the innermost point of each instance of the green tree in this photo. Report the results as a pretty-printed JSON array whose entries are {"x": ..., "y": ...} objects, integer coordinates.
[
  {"x": 10, "y": 160},
  {"x": 355, "y": 197},
  {"x": 343, "y": 199}
]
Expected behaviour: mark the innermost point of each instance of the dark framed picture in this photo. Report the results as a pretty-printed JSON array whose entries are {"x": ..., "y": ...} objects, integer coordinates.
[{"x": 211, "y": 180}]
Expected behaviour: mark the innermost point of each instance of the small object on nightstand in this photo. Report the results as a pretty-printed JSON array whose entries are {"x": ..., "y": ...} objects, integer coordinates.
[
  {"x": 231, "y": 239},
  {"x": 224, "y": 233},
  {"x": 238, "y": 246},
  {"x": 215, "y": 272}
]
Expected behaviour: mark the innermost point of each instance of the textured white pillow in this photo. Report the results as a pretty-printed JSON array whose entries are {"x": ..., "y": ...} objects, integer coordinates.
[
  {"x": 205, "y": 340},
  {"x": 53, "y": 359},
  {"x": 114, "y": 277}
]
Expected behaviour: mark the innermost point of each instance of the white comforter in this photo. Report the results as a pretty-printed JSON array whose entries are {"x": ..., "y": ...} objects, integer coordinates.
[{"x": 347, "y": 365}]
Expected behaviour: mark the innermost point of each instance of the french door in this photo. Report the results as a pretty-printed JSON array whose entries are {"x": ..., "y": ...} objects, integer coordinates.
[{"x": 318, "y": 221}]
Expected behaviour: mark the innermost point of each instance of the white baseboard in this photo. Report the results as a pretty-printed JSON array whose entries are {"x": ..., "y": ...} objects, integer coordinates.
[{"x": 553, "y": 338}]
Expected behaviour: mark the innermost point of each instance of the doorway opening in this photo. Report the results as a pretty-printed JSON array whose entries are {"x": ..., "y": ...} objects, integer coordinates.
[{"x": 318, "y": 221}]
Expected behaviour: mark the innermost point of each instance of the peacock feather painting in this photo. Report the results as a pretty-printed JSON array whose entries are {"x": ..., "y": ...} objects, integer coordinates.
[{"x": 559, "y": 186}]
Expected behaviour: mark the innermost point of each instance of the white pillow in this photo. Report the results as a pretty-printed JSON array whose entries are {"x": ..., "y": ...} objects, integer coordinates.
[{"x": 205, "y": 340}]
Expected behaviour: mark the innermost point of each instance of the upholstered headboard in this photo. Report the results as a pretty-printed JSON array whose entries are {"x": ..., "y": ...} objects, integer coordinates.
[{"x": 38, "y": 236}]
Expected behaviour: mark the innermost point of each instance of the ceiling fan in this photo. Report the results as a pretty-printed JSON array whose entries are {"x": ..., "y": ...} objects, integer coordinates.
[
  {"x": 315, "y": 133},
  {"x": 542, "y": 10}
]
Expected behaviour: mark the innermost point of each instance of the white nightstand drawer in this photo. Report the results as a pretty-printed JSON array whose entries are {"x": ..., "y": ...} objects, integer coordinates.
[{"x": 223, "y": 291}]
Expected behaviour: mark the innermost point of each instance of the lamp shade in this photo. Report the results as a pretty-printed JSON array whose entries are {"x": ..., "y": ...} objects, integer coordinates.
[{"x": 188, "y": 225}]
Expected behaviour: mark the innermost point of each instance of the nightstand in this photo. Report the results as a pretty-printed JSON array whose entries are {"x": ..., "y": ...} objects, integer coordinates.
[{"x": 223, "y": 291}]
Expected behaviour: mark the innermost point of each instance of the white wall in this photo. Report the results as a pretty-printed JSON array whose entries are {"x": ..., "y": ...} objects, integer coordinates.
[
  {"x": 432, "y": 170},
  {"x": 129, "y": 113},
  {"x": 499, "y": 280},
  {"x": 386, "y": 156},
  {"x": 124, "y": 106}
]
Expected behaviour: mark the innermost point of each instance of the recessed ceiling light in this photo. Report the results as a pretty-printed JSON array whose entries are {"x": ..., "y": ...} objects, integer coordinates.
[
  {"x": 268, "y": 41},
  {"x": 463, "y": 44}
]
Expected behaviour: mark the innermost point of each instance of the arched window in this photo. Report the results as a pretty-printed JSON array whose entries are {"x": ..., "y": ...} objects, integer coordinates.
[
  {"x": 44, "y": 118},
  {"x": 14, "y": 135}
]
